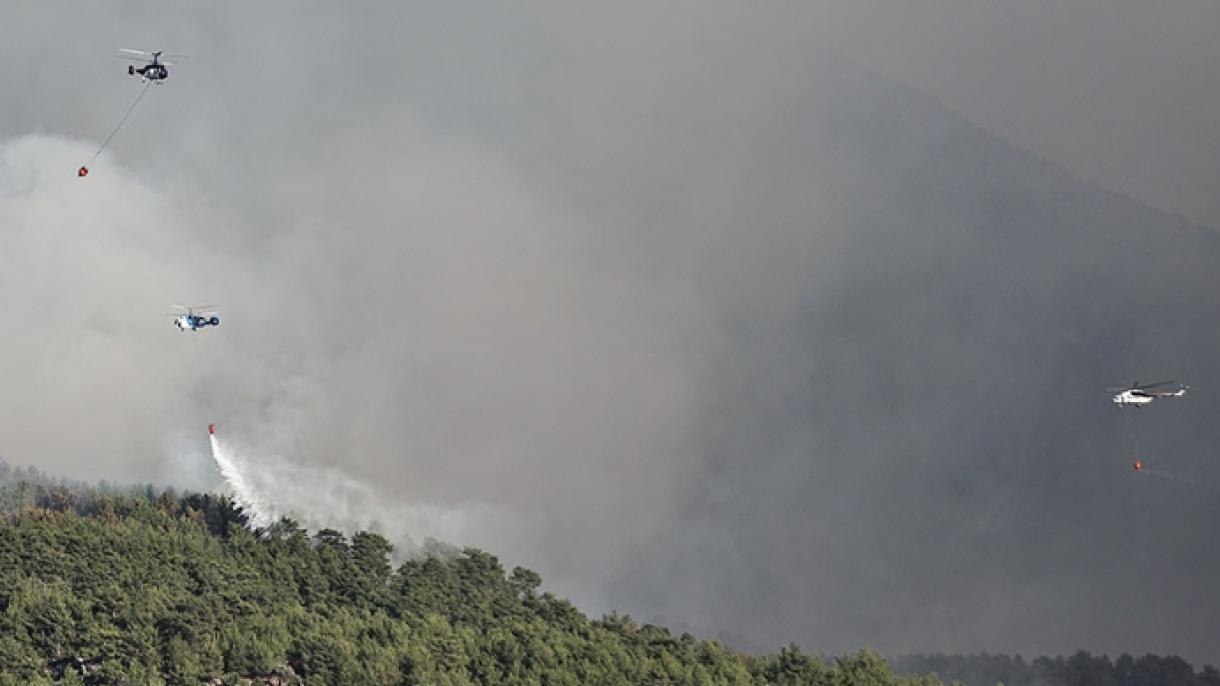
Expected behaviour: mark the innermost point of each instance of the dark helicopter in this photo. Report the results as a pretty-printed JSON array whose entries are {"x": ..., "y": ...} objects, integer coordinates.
[{"x": 153, "y": 70}]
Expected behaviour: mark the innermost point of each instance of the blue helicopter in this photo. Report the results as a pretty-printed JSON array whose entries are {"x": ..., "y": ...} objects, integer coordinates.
[{"x": 195, "y": 318}]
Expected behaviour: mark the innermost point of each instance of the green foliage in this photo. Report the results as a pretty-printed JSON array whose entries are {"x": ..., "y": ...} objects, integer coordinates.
[{"x": 102, "y": 586}]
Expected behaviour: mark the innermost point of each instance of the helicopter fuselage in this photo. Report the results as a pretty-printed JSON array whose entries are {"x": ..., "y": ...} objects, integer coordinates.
[
  {"x": 193, "y": 322},
  {"x": 1132, "y": 398},
  {"x": 153, "y": 71},
  {"x": 1139, "y": 398}
]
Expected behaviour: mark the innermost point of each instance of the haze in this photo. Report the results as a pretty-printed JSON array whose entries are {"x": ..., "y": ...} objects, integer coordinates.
[{"x": 710, "y": 313}]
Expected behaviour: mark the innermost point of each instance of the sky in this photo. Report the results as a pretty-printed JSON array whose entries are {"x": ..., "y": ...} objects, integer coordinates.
[{"x": 723, "y": 316}]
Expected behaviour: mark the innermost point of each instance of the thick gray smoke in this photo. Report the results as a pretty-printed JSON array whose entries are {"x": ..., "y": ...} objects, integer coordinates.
[{"x": 685, "y": 307}]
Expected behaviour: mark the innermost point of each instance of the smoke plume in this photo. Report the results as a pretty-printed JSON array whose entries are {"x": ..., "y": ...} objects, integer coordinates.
[{"x": 691, "y": 307}]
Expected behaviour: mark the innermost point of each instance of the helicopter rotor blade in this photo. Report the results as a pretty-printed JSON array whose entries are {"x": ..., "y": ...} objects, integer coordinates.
[{"x": 1154, "y": 385}]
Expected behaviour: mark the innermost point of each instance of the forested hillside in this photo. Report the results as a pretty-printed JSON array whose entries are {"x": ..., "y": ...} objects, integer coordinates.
[
  {"x": 1078, "y": 670},
  {"x": 102, "y": 586}
]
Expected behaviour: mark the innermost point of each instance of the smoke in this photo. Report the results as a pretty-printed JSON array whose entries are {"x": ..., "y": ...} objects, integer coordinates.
[
  {"x": 671, "y": 304},
  {"x": 471, "y": 363},
  {"x": 90, "y": 267}
]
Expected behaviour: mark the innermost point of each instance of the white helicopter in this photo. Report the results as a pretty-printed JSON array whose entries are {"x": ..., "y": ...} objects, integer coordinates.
[
  {"x": 1138, "y": 394},
  {"x": 153, "y": 70},
  {"x": 194, "y": 320}
]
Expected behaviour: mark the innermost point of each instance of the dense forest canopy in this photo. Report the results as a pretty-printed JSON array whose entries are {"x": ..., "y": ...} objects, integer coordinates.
[
  {"x": 102, "y": 585},
  {"x": 1081, "y": 668}
]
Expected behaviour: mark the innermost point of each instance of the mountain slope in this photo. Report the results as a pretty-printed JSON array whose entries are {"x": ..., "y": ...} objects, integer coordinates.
[{"x": 916, "y": 424}]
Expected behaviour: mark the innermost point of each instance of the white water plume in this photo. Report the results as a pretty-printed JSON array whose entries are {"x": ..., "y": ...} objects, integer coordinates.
[
  {"x": 271, "y": 488},
  {"x": 260, "y": 513}
]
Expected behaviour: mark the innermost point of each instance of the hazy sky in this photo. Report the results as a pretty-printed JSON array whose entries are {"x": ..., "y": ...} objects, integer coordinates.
[{"x": 696, "y": 308}]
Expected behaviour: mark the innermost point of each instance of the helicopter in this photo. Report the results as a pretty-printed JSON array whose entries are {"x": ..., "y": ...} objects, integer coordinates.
[
  {"x": 193, "y": 320},
  {"x": 1138, "y": 394},
  {"x": 153, "y": 70}
]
